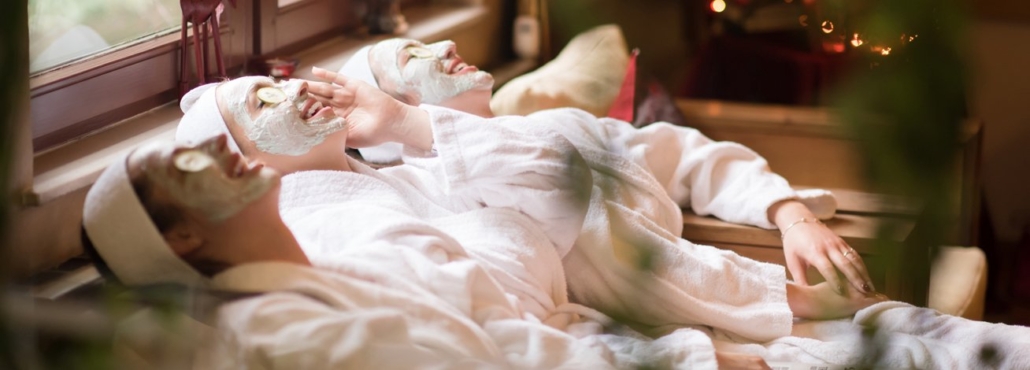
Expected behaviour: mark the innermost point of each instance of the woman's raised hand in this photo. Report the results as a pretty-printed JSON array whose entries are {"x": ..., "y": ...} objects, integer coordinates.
[{"x": 373, "y": 117}]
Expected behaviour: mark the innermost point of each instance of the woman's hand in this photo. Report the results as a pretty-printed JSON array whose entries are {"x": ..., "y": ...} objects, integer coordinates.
[
  {"x": 738, "y": 361},
  {"x": 821, "y": 302},
  {"x": 811, "y": 243},
  {"x": 373, "y": 117}
]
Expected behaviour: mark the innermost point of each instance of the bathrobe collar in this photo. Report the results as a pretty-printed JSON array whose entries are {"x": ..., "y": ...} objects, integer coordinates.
[{"x": 264, "y": 277}]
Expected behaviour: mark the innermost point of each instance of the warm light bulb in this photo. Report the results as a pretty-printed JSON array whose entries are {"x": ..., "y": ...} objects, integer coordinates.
[
  {"x": 856, "y": 42},
  {"x": 718, "y": 6},
  {"x": 885, "y": 51},
  {"x": 803, "y": 19},
  {"x": 827, "y": 26}
]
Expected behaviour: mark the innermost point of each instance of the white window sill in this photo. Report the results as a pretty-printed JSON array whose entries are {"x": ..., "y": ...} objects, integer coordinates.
[{"x": 75, "y": 166}]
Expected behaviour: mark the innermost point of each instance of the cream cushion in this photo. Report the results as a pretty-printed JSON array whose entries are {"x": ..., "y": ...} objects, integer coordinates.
[
  {"x": 587, "y": 74},
  {"x": 958, "y": 282}
]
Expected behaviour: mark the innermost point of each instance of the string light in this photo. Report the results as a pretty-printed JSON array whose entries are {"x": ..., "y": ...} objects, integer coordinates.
[
  {"x": 856, "y": 42},
  {"x": 718, "y": 6},
  {"x": 827, "y": 26},
  {"x": 803, "y": 19}
]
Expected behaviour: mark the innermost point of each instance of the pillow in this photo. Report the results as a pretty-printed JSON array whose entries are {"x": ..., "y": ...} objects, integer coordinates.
[{"x": 587, "y": 74}]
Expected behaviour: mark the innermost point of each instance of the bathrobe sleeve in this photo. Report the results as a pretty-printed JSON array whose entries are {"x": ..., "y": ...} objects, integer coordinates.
[
  {"x": 503, "y": 162},
  {"x": 723, "y": 179},
  {"x": 719, "y": 178}
]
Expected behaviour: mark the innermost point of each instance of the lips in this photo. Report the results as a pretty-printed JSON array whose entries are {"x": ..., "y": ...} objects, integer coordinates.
[
  {"x": 311, "y": 108},
  {"x": 458, "y": 66}
]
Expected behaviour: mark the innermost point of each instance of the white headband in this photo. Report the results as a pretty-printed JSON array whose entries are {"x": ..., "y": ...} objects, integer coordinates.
[
  {"x": 357, "y": 67},
  {"x": 202, "y": 119},
  {"x": 125, "y": 237}
]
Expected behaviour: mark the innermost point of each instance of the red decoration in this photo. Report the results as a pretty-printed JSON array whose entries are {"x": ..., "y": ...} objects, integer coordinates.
[{"x": 622, "y": 108}]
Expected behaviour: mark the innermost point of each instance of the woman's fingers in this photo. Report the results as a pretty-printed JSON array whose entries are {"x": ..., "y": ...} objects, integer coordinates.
[
  {"x": 798, "y": 270},
  {"x": 850, "y": 263},
  {"x": 846, "y": 265},
  {"x": 329, "y": 76},
  {"x": 321, "y": 89},
  {"x": 829, "y": 272}
]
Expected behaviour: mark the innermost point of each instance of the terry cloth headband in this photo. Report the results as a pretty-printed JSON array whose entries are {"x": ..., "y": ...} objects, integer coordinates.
[
  {"x": 125, "y": 237},
  {"x": 357, "y": 67},
  {"x": 202, "y": 119}
]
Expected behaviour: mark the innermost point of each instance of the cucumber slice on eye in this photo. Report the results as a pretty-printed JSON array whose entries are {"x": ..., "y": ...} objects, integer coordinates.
[
  {"x": 193, "y": 161},
  {"x": 420, "y": 52},
  {"x": 271, "y": 95}
]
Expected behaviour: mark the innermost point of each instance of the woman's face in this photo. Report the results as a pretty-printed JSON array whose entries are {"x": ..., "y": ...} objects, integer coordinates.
[
  {"x": 206, "y": 179},
  {"x": 418, "y": 73},
  {"x": 278, "y": 118}
]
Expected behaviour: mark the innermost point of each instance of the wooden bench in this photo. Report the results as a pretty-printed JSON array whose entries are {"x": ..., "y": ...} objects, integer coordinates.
[
  {"x": 858, "y": 218},
  {"x": 808, "y": 147}
]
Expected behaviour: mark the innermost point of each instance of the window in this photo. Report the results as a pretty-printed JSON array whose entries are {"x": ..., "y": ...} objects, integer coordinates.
[
  {"x": 117, "y": 82},
  {"x": 65, "y": 30},
  {"x": 96, "y": 62}
]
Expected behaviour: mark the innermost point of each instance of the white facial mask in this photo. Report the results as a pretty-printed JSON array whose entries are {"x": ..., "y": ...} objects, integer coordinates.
[
  {"x": 431, "y": 75},
  {"x": 208, "y": 178},
  {"x": 291, "y": 127}
]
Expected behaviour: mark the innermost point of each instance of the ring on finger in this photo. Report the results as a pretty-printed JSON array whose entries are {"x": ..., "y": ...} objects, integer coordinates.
[{"x": 848, "y": 252}]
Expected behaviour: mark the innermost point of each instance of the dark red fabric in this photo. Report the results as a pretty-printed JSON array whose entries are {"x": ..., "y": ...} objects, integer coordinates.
[{"x": 622, "y": 108}]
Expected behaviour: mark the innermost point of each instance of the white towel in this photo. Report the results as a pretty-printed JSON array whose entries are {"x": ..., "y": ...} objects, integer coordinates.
[
  {"x": 202, "y": 119},
  {"x": 121, "y": 231}
]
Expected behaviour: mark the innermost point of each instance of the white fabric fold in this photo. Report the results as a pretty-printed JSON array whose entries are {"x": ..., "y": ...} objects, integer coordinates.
[
  {"x": 202, "y": 119},
  {"x": 123, "y": 234}
]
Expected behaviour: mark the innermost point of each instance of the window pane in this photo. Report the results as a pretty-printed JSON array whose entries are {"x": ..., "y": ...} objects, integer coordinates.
[
  {"x": 64, "y": 30},
  {"x": 285, "y": 3}
]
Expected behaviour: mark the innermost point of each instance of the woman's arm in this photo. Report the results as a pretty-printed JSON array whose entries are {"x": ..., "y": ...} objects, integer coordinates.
[
  {"x": 480, "y": 162},
  {"x": 734, "y": 183}
]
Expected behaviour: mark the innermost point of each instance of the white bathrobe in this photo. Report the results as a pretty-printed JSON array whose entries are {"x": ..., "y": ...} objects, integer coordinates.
[
  {"x": 524, "y": 184},
  {"x": 454, "y": 260},
  {"x": 631, "y": 216},
  {"x": 396, "y": 307},
  {"x": 629, "y": 260},
  {"x": 448, "y": 261}
]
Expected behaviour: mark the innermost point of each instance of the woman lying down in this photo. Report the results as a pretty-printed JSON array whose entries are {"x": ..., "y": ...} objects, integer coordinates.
[{"x": 434, "y": 265}]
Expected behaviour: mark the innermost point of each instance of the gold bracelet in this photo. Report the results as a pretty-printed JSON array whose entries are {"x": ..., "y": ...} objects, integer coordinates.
[{"x": 783, "y": 234}]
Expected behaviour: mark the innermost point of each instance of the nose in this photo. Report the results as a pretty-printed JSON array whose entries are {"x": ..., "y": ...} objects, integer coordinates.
[
  {"x": 295, "y": 89},
  {"x": 214, "y": 144},
  {"x": 446, "y": 49}
]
